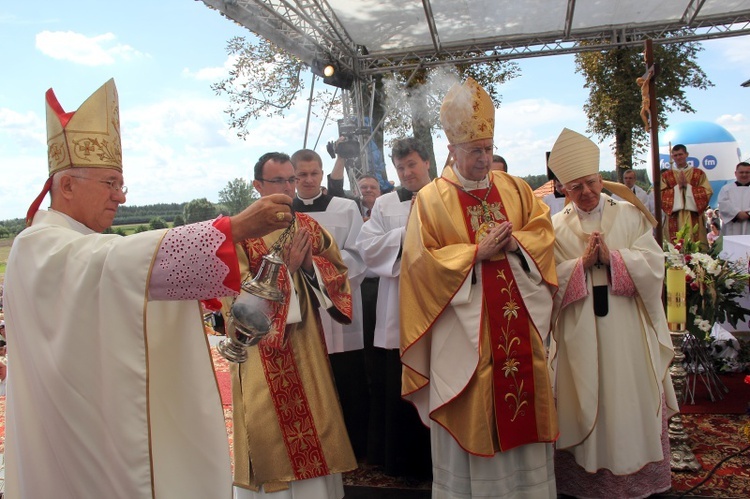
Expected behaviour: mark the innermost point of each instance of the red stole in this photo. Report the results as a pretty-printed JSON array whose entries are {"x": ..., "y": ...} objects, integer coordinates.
[
  {"x": 510, "y": 337},
  {"x": 667, "y": 200},
  {"x": 285, "y": 386}
]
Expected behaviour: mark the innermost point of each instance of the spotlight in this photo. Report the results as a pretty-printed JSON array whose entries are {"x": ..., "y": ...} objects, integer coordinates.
[{"x": 332, "y": 74}]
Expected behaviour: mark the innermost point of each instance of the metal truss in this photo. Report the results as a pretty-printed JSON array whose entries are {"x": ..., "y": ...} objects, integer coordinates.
[
  {"x": 521, "y": 48},
  {"x": 308, "y": 29},
  {"x": 311, "y": 31}
]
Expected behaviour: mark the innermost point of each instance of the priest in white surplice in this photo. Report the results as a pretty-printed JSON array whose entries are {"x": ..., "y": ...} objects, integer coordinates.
[
  {"x": 111, "y": 390},
  {"x": 405, "y": 441},
  {"x": 342, "y": 218},
  {"x": 734, "y": 203},
  {"x": 613, "y": 349}
]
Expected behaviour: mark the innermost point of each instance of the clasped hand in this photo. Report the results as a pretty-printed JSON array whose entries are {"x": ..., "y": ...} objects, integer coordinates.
[
  {"x": 299, "y": 252},
  {"x": 499, "y": 238},
  {"x": 596, "y": 251}
]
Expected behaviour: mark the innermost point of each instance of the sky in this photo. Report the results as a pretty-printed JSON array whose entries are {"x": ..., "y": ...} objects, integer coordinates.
[{"x": 177, "y": 145}]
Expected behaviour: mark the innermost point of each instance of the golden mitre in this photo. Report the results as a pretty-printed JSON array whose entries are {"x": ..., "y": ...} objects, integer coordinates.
[
  {"x": 467, "y": 113},
  {"x": 88, "y": 137},
  {"x": 573, "y": 156}
]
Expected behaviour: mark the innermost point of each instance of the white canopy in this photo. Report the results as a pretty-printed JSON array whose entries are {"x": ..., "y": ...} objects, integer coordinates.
[{"x": 380, "y": 36}]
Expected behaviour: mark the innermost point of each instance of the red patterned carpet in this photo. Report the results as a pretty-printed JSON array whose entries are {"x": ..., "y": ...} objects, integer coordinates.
[{"x": 713, "y": 437}]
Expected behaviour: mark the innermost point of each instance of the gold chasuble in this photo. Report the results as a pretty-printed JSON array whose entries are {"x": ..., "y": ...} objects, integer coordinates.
[
  {"x": 288, "y": 423},
  {"x": 702, "y": 192},
  {"x": 479, "y": 371}
]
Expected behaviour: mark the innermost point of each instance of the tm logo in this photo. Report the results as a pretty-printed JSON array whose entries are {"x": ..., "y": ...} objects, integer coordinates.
[{"x": 710, "y": 162}]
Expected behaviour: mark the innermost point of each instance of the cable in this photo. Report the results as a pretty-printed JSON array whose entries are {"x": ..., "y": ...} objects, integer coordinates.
[{"x": 713, "y": 470}]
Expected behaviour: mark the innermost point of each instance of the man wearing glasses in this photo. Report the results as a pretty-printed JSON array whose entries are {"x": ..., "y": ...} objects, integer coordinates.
[
  {"x": 289, "y": 431},
  {"x": 613, "y": 349},
  {"x": 111, "y": 391},
  {"x": 476, "y": 301}
]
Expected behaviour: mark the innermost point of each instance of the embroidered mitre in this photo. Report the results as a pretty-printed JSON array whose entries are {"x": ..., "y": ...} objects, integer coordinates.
[
  {"x": 467, "y": 113},
  {"x": 88, "y": 137}
]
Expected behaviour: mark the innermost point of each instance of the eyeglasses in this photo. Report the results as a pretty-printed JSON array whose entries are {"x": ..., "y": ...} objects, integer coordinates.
[
  {"x": 477, "y": 152},
  {"x": 113, "y": 184},
  {"x": 280, "y": 181},
  {"x": 576, "y": 188}
]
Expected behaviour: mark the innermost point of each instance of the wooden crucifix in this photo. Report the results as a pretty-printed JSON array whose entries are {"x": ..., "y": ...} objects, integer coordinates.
[{"x": 650, "y": 116}]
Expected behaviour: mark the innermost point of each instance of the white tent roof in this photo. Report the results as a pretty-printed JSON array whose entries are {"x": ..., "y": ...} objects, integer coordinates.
[{"x": 378, "y": 36}]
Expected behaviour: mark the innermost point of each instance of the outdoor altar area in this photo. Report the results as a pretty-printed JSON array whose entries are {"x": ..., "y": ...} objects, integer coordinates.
[{"x": 726, "y": 348}]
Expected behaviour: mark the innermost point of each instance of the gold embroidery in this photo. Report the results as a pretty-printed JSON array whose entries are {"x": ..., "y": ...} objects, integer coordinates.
[
  {"x": 517, "y": 397},
  {"x": 483, "y": 217}
]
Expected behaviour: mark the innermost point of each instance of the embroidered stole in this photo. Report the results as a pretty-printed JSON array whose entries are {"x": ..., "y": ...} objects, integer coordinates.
[
  {"x": 293, "y": 412},
  {"x": 667, "y": 198},
  {"x": 508, "y": 322}
]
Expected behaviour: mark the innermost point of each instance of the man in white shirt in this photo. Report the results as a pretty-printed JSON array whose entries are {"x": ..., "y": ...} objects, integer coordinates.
[
  {"x": 343, "y": 219},
  {"x": 628, "y": 178},
  {"x": 734, "y": 203},
  {"x": 404, "y": 445}
]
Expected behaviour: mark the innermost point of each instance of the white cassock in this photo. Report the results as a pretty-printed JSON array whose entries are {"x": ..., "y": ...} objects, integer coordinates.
[
  {"x": 732, "y": 200},
  {"x": 111, "y": 389},
  {"x": 380, "y": 242},
  {"x": 343, "y": 220},
  {"x": 645, "y": 198},
  {"x": 555, "y": 203},
  {"x": 612, "y": 370}
]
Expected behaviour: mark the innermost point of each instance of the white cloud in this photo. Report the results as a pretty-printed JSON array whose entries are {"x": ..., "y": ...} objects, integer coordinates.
[
  {"x": 211, "y": 74},
  {"x": 27, "y": 129},
  {"x": 100, "y": 50},
  {"x": 735, "y": 50}
]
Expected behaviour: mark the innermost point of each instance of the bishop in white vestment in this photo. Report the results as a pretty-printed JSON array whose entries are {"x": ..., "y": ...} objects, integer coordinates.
[{"x": 613, "y": 349}]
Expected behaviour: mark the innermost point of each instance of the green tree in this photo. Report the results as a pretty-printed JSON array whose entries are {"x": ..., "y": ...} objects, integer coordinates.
[
  {"x": 265, "y": 81},
  {"x": 120, "y": 231},
  {"x": 157, "y": 223},
  {"x": 199, "y": 210},
  {"x": 614, "y": 102},
  {"x": 236, "y": 196},
  {"x": 178, "y": 221},
  {"x": 140, "y": 228},
  {"x": 4, "y": 232}
]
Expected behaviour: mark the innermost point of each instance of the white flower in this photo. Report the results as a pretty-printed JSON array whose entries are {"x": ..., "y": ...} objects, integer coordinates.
[
  {"x": 694, "y": 311},
  {"x": 729, "y": 282},
  {"x": 704, "y": 326}
]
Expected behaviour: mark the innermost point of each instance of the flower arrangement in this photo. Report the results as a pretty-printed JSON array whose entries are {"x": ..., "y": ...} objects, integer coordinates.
[{"x": 713, "y": 284}]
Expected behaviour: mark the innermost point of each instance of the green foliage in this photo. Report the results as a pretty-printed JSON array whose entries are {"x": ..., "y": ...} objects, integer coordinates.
[
  {"x": 199, "y": 210},
  {"x": 236, "y": 196},
  {"x": 614, "y": 103},
  {"x": 178, "y": 221},
  {"x": 4, "y": 232},
  {"x": 120, "y": 232},
  {"x": 12, "y": 226},
  {"x": 157, "y": 223},
  {"x": 127, "y": 214},
  {"x": 141, "y": 228},
  {"x": 263, "y": 82}
]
